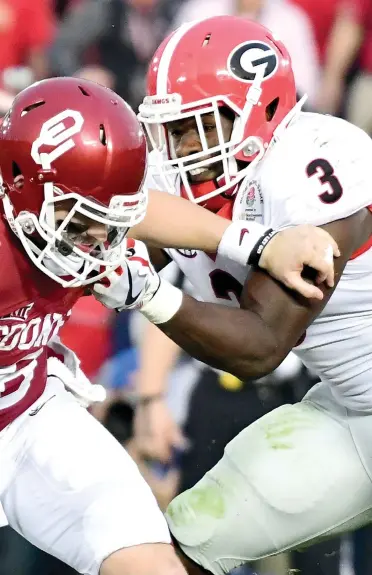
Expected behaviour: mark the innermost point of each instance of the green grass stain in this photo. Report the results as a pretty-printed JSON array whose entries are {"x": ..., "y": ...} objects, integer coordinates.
[
  {"x": 279, "y": 430},
  {"x": 195, "y": 503}
]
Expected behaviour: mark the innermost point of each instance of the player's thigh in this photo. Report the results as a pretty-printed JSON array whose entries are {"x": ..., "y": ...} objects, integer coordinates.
[
  {"x": 288, "y": 479},
  {"x": 77, "y": 494}
]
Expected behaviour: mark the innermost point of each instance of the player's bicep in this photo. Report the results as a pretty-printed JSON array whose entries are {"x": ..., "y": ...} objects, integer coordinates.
[{"x": 285, "y": 313}]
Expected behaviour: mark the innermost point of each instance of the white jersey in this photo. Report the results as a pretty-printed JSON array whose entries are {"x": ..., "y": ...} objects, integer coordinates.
[{"x": 320, "y": 170}]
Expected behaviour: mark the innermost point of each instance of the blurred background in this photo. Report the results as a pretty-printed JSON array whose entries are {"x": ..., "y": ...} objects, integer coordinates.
[{"x": 111, "y": 42}]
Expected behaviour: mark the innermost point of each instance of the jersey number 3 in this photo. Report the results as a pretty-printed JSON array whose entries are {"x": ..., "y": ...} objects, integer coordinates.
[{"x": 324, "y": 170}]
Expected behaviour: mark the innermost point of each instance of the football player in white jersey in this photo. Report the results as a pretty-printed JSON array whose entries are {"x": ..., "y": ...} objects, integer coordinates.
[{"x": 221, "y": 111}]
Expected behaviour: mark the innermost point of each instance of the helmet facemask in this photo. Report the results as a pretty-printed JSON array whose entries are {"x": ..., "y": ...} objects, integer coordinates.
[
  {"x": 57, "y": 248},
  {"x": 156, "y": 113}
]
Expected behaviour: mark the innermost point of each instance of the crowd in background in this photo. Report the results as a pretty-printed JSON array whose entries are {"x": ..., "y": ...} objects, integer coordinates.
[{"x": 111, "y": 42}]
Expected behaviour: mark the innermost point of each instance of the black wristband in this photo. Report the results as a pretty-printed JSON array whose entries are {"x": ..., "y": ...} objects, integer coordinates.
[
  {"x": 144, "y": 400},
  {"x": 254, "y": 256}
]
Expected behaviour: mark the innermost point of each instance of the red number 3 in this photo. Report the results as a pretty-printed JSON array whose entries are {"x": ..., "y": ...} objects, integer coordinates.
[{"x": 323, "y": 169}]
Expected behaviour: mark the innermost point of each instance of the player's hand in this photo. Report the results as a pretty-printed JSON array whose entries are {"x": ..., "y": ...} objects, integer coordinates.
[
  {"x": 156, "y": 433},
  {"x": 291, "y": 249},
  {"x": 133, "y": 284}
]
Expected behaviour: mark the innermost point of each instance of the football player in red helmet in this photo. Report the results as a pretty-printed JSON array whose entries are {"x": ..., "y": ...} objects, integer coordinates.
[
  {"x": 72, "y": 156},
  {"x": 227, "y": 134}
]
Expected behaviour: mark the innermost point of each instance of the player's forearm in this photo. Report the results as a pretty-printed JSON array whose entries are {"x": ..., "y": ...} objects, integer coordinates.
[
  {"x": 234, "y": 340},
  {"x": 251, "y": 341},
  {"x": 173, "y": 222},
  {"x": 158, "y": 355}
]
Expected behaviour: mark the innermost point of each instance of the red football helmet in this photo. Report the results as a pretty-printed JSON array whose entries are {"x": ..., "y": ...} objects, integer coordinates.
[
  {"x": 67, "y": 139},
  {"x": 220, "y": 62}
]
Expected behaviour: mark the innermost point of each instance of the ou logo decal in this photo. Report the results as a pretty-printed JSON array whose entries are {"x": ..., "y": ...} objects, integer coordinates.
[
  {"x": 54, "y": 133},
  {"x": 248, "y": 59}
]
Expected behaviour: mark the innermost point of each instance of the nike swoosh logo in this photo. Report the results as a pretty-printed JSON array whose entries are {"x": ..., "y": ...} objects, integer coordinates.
[
  {"x": 242, "y": 234},
  {"x": 36, "y": 411},
  {"x": 131, "y": 299}
]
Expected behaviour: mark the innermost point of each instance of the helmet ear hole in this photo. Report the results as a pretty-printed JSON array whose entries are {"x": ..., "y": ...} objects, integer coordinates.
[{"x": 271, "y": 109}]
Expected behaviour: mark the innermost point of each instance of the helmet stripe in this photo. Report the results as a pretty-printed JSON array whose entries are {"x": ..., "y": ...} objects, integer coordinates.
[{"x": 161, "y": 81}]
